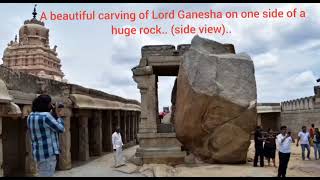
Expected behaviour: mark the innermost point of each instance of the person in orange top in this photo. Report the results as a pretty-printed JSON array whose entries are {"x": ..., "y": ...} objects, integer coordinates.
[{"x": 311, "y": 132}]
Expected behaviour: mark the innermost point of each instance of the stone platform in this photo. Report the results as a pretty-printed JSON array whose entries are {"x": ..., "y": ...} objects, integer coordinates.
[{"x": 160, "y": 148}]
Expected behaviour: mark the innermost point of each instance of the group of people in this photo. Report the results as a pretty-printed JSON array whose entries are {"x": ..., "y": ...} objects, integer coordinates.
[
  {"x": 45, "y": 122},
  {"x": 267, "y": 145},
  {"x": 308, "y": 140}
]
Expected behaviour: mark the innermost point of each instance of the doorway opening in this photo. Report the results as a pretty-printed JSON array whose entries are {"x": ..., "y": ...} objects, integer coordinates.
[{"x": 164, "y": 88}]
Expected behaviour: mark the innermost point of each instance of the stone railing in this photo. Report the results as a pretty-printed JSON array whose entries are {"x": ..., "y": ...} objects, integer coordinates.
[
  {"x": 306, "y": 103},
  {"x": 91, "y": 116}
]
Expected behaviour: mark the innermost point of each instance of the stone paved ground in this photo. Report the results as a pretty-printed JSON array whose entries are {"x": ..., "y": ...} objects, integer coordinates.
[
  {"x": 102, "y": 166},
  {"x": 296, "y": 168},
  {"x": 99, "y": 167}
]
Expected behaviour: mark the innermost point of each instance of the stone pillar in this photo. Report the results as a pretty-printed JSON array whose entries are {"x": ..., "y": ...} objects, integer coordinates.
[
  {"x": 158, "y": 121},
  {"x": 122, "y": 128},
  {"x": 125, "y": 130},
  {"x": 138, "y": 121},
  {"x": 146, "y": 84},
  {"x": 105, "y": 133},
  {"x": 134, "y": 126},
  {"x": 153, "y": 147},
  {"x": 97, "y": 133},
  {"x": 83, "y": 138},
  {"x": 65, "y": 162},
  {"x": 129, "y": 126},
  {"x": 1, "y": 150},
  {"x": 108, "y": 132},
  {"x": 30, "y": 163},
  {"x": 118, "y": 118}
]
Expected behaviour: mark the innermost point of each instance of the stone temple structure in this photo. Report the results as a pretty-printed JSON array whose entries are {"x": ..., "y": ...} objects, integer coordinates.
[
  {"x": 91, "y": 115},
  {"x": 157, "y": 141},
  {"x": 31, "y": 52},
  {"x": 91, "y": 118}
]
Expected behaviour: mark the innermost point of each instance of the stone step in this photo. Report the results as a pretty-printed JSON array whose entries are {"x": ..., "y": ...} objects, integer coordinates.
[{"x": 161, "y": 152}]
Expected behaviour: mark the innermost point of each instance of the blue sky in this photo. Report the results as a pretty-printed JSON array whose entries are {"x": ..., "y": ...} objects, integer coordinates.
[{"x": 285, "y": 51}]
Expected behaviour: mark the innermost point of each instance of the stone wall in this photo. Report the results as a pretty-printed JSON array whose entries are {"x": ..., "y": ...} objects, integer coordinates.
[
  {"x": 301, "y": 112},
  {"x": 306, "y": 103},
  {"x": 294, "y": 120}
]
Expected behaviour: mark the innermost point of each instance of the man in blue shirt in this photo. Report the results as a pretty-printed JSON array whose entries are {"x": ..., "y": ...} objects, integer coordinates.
[{"x": 44, "y": 129}]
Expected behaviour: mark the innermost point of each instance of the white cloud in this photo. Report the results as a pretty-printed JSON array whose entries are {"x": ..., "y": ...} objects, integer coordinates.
[
  {"x": 265, "y": 60},
  {"x": 303, "y": 79},
  {"x": 309, "y": 45}
]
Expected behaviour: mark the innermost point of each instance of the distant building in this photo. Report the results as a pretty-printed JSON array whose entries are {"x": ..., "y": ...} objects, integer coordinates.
[
  {"x": 292, "y": 113},
  {"x": 269, "y": 115},
  {"x": 31, "y": 53}
]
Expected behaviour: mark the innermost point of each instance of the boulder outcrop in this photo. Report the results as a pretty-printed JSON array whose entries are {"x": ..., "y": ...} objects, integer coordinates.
[{"x": 215, "y": 102}]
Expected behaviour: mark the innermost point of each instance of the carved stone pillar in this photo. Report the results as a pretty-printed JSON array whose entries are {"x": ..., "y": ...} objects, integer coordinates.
[
  {"x": 110, "y": 130},
  {"x": 138, "y": 122},
  {"x": 146, "y": 84},
  {"x": 30, "y": 163},
  {"x": 118, "y": 118},
  {"x": 132, "y": 126},
  {"x": 125, "y": 125},
  {"x": 104, "y": 130},
  {"x": 65, "y": 162},
  {"x": 97, "y": 133},
  {"x": 107, "y": 131},
  {"x": 128, "y": 126},
  {"x": 83, "y": 138},
  {"x": 153, "y": 147}
]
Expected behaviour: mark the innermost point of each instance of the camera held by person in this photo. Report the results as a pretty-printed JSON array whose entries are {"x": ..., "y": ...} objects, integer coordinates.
[{"x": 57, "y": 110}]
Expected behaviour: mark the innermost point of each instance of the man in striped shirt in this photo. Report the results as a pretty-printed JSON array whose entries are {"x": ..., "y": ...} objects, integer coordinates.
[{"x": 44, "y": 129}]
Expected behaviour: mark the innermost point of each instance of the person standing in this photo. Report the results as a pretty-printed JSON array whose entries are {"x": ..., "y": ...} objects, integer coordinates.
[
  {"x": 258, "y": 144},
  {"x": 316, "y": 144},
  {"x": 284, "y": 141},
  {"x": 270, "y": 147},
  {"x": 304, "y": 138},
  {"x": 311, "y": 132},
  {"x": 43, "y": 129},
  {"x": 117, "y": 148}
]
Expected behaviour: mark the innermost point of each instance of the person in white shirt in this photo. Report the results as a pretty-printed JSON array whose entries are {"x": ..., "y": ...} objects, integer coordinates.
[
  {"x": 117, "y": 148},
  {"x": 304, "y": 138},
  {"x": 284, "y": 141}
]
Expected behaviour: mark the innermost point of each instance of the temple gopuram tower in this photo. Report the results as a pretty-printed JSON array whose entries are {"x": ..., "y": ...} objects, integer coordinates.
[{"x": 31, "y": 53}]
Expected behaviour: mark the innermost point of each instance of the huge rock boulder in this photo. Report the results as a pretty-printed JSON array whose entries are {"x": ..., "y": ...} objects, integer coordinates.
[{"x": 215, "y": 102}]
